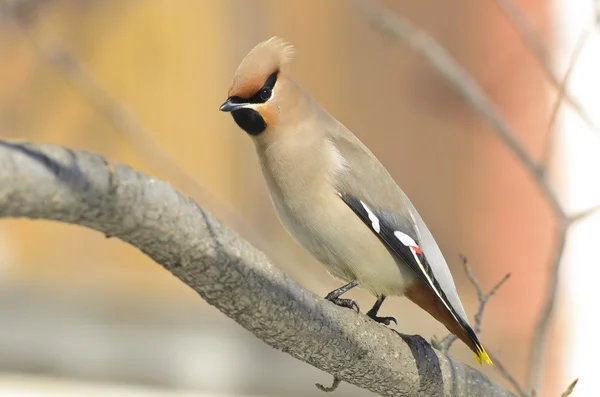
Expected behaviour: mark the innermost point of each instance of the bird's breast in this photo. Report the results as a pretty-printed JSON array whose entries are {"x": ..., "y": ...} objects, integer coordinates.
[{"x": 312, "y": 212}]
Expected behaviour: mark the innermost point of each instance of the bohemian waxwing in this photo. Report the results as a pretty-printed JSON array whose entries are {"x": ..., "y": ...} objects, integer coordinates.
[{"x": 336, "y": 199}]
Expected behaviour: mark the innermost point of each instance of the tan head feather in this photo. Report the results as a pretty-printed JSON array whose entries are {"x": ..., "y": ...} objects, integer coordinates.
[{"x": 264, "y": 59}]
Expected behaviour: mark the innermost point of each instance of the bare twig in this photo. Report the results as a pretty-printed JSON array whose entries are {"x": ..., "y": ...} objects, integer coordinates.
[
  {"x": 443, "y": 344},
  {"x": 566, "y": 393},
  {"x": 524, "y": 27},
  {"x": 507, "y": 375},
  {"x": 583, "y": 214},
  {"x": 570, "y": 389},
  {"x": 482, "y": 299},
  {"x": 561, "y": 94},
  {"x": 540, "y": 333},
  {"x": 333, "y": 387}
]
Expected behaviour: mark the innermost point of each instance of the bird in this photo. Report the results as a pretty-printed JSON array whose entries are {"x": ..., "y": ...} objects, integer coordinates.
[{"x": 336, "y": 199}]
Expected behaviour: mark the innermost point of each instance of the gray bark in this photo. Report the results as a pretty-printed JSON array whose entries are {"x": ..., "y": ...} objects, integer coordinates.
[{"x": 52, "y": 182}]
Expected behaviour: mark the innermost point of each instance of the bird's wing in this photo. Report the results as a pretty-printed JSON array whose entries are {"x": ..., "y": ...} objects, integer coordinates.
[
  {"x": 364, "y": 184},
  {"x": 402, "y": 239},
  {"x": 429, "y": 293}
]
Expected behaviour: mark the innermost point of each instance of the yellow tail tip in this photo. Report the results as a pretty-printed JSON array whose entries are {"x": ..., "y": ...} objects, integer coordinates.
[{"x": 482, "y": 356}]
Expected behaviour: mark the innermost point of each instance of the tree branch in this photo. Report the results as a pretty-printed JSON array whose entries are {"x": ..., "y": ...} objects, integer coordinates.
[
  {"x": 561, "y": 95},
  {"x": 52, "y": 182}
]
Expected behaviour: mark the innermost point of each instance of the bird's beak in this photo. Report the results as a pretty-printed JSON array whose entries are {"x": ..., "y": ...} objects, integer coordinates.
[{"x": 230, "y": 106}]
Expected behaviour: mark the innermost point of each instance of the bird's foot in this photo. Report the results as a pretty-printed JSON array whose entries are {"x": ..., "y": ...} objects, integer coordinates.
[
  {"x": 349, "y": 303},
  {"x": 383, "y": 320}
]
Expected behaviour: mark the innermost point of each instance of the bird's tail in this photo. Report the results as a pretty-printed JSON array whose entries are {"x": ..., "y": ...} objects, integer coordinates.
[
  {"x": 481, "y": 355},
  {"x": 469, "y": 337},
  {"x": 424, "y": 296}
]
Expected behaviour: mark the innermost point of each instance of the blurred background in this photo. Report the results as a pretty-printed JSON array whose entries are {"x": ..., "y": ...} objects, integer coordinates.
[{"x": 140, "y": 81}]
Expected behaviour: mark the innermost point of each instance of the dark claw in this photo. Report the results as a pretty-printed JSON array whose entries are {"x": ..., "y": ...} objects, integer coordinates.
[
  {"x": 384, "y": 320},
  {"x": 349, "y": 303},
  {"x": 375, "y": 309}
]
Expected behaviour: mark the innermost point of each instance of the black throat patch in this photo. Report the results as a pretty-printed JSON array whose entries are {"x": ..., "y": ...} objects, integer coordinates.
[{"x": 249, "y": 120}]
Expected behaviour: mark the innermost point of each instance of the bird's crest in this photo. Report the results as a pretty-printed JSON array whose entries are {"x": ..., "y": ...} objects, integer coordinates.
[{"x": 263, "y": 60}]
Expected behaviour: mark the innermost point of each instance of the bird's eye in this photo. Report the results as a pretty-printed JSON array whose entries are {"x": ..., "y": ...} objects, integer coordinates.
[{"x": 265, "y": 94}]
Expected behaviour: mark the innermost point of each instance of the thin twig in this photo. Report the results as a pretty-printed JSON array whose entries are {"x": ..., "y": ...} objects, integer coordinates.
[
  {"x": 570, "y": 389},
  {"x": 444, "y": 344},
  {"x": 528, "y": 34},
  {"x": 507, "y": 375},
  {"x": 540, "y": 333},
  {"x": 482, "y": 299},
  {"x": 583, "y": 214},
  {"x": 562, "y": 90},
  {"x": 479, "y": 314},
  {"x": 333, "y": 387}
]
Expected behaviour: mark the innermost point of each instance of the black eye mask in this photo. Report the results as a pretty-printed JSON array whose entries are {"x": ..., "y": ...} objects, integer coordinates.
[
  {"x": 263, "y": 95},
  {"x": 250, "y": 120}
]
